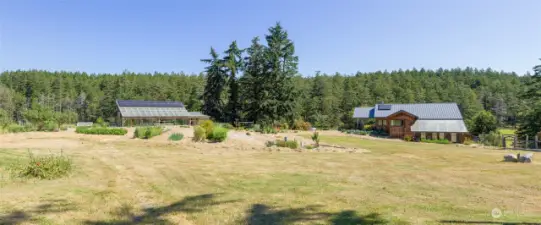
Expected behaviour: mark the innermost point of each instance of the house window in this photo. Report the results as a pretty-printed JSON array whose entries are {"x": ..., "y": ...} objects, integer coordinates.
[
  {"x": 434, "y": 136},
  {"x": 442, "y": 136},
  {"x": 379, "y": 122},
  {"x": 453, "y": 137},
  {"x": 397, "y": 123},
  {"x": 423, "y": 135},
  {"x": 384, "y": 122}
]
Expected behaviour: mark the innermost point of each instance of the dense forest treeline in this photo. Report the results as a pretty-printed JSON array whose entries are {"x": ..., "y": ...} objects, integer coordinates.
[
  {"x": 324, "y": 100},
  {"x": 261, "y": 84}
]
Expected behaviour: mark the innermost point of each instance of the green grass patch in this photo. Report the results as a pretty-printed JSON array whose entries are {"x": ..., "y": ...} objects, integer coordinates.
[
  {"x": 287, "y": 144},
  {"x": 507, "y": 131},
  {"x": 101, "y": 130},
  {"x": 435, "y": 141}
]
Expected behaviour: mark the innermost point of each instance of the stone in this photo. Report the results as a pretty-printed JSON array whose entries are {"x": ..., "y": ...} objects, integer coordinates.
[
  {"x": 510, "y": 158},
  {"x": 526, "y": 158}
]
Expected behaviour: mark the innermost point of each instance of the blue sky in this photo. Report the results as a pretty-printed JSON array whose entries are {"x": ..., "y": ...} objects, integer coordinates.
[{"x": 330, "y": 36}]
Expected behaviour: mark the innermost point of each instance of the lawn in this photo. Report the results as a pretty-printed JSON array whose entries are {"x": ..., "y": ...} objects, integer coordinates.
[
  {"x": 507, "y": 131},
  {"x": 132, "y": 181}
]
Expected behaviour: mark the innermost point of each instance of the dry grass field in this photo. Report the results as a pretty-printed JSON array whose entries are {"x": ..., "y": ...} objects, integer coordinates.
[{"x": 119, "y": 180}]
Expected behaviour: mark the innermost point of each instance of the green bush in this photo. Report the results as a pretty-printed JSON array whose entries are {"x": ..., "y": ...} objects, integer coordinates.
[
  {"x": 50, "y": 126},
  {"x": 468, "y": 141},
  {"x": 147, "y": 132},
  {"x": 268, "y": 130},
  {"x": 491, "y": 139},
  {"x": 315, "y": 138},
  {"x": 218, "y": 134},
  {"x": 301, "y": 125},
  {"x": 176, "y": 136},
  {"x": 199, "y": 134},
  {"x": 15, "y": 128},
  {"x": 257, "y": 128},
  {"x": 287, "y": 144},
  {"x": 64, "y": 127},
  {"x": 227, "y": 126},
  {"x": 43, "y": 167},
  {"x": 208, "y": 126},
  {"x": 408, "y": 138},
  {"x": 184, "y": 126},
  {"x": 101, "y": 130},
  {"x": 100, "y": 122},
  {"x": 435, "y": 141}
]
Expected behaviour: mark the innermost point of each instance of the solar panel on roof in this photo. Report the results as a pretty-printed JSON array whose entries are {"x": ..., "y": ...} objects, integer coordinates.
[{"x": 384, "y": 107}]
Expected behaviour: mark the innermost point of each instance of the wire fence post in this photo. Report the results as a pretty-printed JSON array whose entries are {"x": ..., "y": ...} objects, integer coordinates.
[
  {"x": 527, "y": 142},
  {"x": 536, "y": 141},
  {"x": 515, "y": 142}
]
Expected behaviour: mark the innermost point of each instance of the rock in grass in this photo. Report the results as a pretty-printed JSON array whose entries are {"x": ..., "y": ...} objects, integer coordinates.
[
  {"x": 526, "y": 158},
  {"x": 510, "y": 158}
]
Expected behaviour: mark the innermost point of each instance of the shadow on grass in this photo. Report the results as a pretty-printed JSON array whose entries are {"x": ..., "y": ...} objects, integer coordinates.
[
  {"x": 154, "y": 215},
  {"x": 32, "y": 214},
  {"x": 485, "y": 222},
  {"x": 260, "y": 214}
]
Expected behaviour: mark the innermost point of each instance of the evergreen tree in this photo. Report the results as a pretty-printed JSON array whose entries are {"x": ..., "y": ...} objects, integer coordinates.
[
  {"x": 252, "y": 83},
  {"x": 216, "y": 80},
  {"x": 233, "y": 62}
]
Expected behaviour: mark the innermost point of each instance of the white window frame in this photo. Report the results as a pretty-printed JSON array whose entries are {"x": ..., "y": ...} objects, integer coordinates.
[
  {"x": 453, "y": 137},
  {"x": 423, "y": 135}
]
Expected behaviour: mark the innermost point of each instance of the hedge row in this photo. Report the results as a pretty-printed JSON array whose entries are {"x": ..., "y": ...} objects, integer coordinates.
[{"x": 101, "y": 130}]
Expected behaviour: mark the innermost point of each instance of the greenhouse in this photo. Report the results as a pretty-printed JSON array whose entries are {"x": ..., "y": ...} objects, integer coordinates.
[{"x": 139, "y": 112}]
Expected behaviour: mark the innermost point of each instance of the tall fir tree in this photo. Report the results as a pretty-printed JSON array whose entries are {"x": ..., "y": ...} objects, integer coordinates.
[
  {"x": 216, "y": 80},
  {"x": 233, "y": 63}
]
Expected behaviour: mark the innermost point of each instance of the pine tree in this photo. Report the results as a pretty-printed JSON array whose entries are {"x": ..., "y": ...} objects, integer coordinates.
[
  {"x": 233, "y": 62},
  {"x": 531, "y": 117},
  {"x": 253, "y": 92},
  {"x": 216, "y": 80},
  {"x": 281, "y": 64}
]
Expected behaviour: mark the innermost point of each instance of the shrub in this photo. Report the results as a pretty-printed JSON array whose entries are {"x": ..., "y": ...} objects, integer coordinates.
[
  {"x": 257, "y": 128},
  {"x": 64, "y": 127},
  {"x": 268, "y": 130},
  {"x": 483, "y": 123},
  {"x": 218, "y": 134},
  {"x": 101, "y": 130},
  {"x": 367, "y": 127},
  {"x": 176, "y": 136},
  {"x": 435, "y": 141},
  {"x": 43, "y": 167},
  {"x": 227, "y": 126},
  {"x": 198, "y": 134},
  {"x": 15, "y": 128},
  {"x": 284, "y": 126},
  {"x": 184, "y": 126},
  {"x": 287, "y": 144},
  {"x": 50, "y": 126},
  {"x": 315, "y": 138},
  {"x": 248, "y": 133},
  {"x": 269, "y": 143},
  {"x": 491, "y": 139},
  {"x": 147, "y": 132},
  {"x": 100, "y": 122},
  {"x": 468, "y": 141},
  {"x": 208, "y": 126},
  {"x": 408, "y": 138},
  {"x": 301, "y": 125}
]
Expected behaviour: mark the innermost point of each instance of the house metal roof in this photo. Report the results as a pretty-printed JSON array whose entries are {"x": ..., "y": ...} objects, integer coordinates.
[
  {"x": 425, "y": 111},
  {"x": 455, "y": 126}
]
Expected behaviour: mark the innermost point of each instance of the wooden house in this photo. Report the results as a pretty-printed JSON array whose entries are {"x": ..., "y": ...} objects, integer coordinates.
[{"x": 419, "y": 121}]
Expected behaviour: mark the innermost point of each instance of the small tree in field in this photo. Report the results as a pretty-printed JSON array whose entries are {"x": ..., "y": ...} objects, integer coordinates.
[
  {"x": 483, "y": 123},
  {"x": 315, "y": 138}
]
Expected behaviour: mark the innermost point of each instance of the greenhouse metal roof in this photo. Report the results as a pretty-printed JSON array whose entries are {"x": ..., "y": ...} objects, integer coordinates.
[
  {"x": 155, "y": 109},
  {"x": 144, "y": 103}
]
